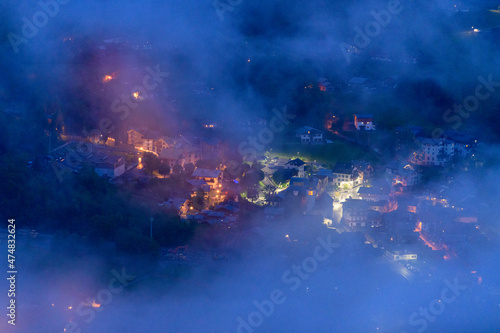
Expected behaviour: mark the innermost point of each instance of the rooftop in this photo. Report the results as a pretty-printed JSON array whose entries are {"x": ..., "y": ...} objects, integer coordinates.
[{"x": 206, "y": 173}]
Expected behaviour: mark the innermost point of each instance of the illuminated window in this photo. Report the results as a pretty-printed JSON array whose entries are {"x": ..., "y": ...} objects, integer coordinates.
[{"x": 311, "y": 192}]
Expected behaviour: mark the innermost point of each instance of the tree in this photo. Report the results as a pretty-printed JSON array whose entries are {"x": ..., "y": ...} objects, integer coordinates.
[
  {"x": 199, "y": 200},
  {"x": 252, "y": 193},
  {"x": 252, "y": 177},
  {"x": 151, "y": 162},
  {"x": 283, "y": 175},
  {"x": 269, "y": 191},
  {"x": 177, "y": 169},
  {"x": 164, "y": 169},
  {"x": 189, "y": 168}
]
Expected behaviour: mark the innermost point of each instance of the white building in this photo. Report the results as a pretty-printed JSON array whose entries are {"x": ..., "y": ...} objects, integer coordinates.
[
  {"x": 436, "y": 152},
  {"x": 308, "y": 134},
  {"x": 364, "y": 122},
  {"x": 346, "y": 174}
]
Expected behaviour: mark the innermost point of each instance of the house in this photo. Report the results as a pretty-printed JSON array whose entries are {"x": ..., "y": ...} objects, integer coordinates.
[
  {"x": 401, "y": 226},
  {"x": 439, "y": 151},
  {"x": 324, "y": 85},
  {"x": 135, "y": 137},
  {"x": 180, "y": 154},
  {"x": 148, "y": 140},
  {"x": 162, "y": 143},
  {"x": 309, "y": 183},
  {"x": 364, "y": 122},
  {"x": 402, "y": 254},
  {"x": 410, "y": 203},
  {"x": 212, "y": 177},
  {"x": 108, "y": 166},
  {"x": 347, "y": 175},
  {"x": 324, "y": 179},
  {"x": 366, "y": 168},
  {"x": 383, "y": 206},
  {"x": 110, "y": 142},
  {"x": 179, "y": 205},
  {"x": 309, "y": 189},
  {"x": 228, "y": 207},
  {"x": 403, "y": 174},
  {"x": 297, "y": 164},
  {"x": 199, "y": 185},
  {"x": 209, "y": 124},
  {"x": 308, "y": 134},
  {"x": 434, "y": 152},
  {"x": 143, "y": 139},
  {"x": 464, "y": 142},
  {"x": 326, "y": 173},
  {"x": 323, "y": 206},
  {"x": 374, "y": 193},
  {"x": 274, "y": 201},
  {"x": 357, "y": 214},
  {"x": 106, "y": 161}
]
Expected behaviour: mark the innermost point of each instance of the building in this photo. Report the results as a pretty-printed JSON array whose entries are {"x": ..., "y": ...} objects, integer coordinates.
[
  {"x": 308, "y": 190},
  {"x": 308, "y": 134},
  {"x": 162, "y": 143},
  {"x": 401, "y": 255},
  {"x": 297, "y": 164},
  {"x": 403, "y": 174},
  {"x": 374, "y": 193},
  {"x": 135, "y": 137},
  {"x": 330, "y": 178},
  {"x": 435, "y": 152},
  {"x": 440, "y": 151},
  {"x": 358, "y": 214},
  {"x": 209, "y": 124},
  {"x": 364, "y": 122},
  {"x": 108, "y": 166},
  {"x": 401, "y": 226},
  {"x": 180, "y": 154},
  {"x": 324, "y": 85},
  {"x": 347, "y": 175},
  {"x": 179, "y": 205},
  {"x": 464, "y": 143},
  {"x": 143, "y": 139},
  {"x": 212, "y": 177}
]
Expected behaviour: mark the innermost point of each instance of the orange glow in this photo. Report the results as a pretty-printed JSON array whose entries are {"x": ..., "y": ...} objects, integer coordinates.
[
  {"x": 429, "y": 244},
  {"x": 95, "y": 305},
  {"x": 137, "y": 96},
  {"x": 418, "y": 228},
  {"x": 108, "y": 77}
]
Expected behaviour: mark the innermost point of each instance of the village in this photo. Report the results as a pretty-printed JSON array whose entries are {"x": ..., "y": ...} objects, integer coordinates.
[{"x": 390, "y": 202}]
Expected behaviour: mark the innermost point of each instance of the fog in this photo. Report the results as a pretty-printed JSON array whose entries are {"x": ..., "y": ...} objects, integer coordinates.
[{"x": 228, "y": 65}]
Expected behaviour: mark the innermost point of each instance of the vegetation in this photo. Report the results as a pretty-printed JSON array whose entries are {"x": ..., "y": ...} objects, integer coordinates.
[
  {"x": 328, "y": 154},
  {"x": 87, "y": 206}
]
